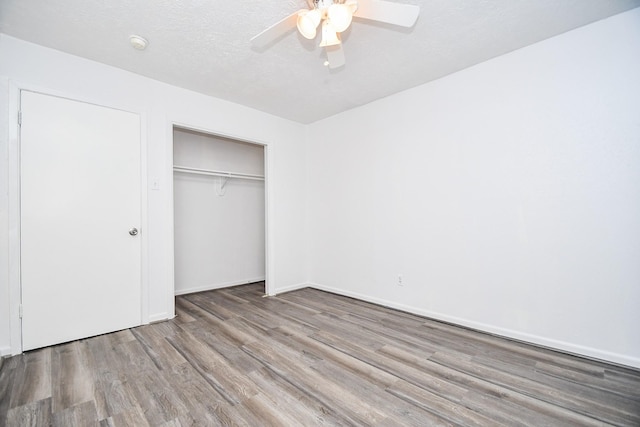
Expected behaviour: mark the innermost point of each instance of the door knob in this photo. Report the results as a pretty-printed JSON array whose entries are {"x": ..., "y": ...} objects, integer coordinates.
[{"x": 133, "y": 231}]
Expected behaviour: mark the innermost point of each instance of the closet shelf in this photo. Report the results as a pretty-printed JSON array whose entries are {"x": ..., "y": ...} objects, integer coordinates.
[{"x": 224, "y": 174}]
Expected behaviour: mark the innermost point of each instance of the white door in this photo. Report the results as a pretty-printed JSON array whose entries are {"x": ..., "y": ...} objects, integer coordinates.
[{"x": 80, "y": 198}]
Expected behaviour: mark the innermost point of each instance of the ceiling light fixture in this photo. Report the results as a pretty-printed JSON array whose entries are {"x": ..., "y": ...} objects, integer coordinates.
[
  {"x": 335, "y": 15},
  {"x": 340, "y": 15},
  {"x": 308, "y": 21},
  {"x": 138, "y": 42},
  {"x": 329, "y": 35}
]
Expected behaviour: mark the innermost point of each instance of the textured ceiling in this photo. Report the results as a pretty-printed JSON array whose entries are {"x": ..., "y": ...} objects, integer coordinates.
[{"x": 203, "y": 45}]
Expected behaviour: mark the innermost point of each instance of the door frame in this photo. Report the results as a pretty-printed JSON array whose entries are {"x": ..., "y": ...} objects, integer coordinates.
[
  {"x": 14, "y": 191},
  {"x": 268, "y": 200}
]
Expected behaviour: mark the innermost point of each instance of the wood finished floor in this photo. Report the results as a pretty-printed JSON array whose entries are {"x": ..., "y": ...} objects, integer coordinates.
[{"x": 231, "y": 357}]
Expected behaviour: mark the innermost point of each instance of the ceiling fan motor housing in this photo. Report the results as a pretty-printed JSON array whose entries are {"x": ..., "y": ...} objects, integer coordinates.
[{"x": 322, "y": 4}]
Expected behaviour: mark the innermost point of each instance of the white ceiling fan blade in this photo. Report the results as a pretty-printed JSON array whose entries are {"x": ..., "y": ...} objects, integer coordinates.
[
  {"x": 276, "y": 31},
  {"x": 404, "y": 15},
  {"x": 335, "y": 56}
]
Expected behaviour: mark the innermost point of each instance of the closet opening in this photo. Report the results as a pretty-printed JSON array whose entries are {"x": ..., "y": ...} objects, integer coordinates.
[{"x": 219, "y": 210}]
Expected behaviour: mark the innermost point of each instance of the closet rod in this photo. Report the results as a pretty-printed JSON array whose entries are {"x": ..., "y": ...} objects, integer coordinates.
[{"x": 224, "y": 174}]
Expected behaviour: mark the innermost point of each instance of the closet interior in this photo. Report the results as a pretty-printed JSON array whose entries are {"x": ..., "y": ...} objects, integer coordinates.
[{"x": 219, "y": 211}]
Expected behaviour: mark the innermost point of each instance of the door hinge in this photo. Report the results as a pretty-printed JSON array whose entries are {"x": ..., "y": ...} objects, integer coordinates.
[
  {"x": 19, "y": 118},
  {"x": 20, "y": 311}
]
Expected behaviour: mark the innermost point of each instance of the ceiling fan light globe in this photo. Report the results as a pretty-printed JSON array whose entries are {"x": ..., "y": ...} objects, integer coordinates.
[
  {"x": 308, "y": 22},
  {"x": 352, "y": 5},
  {"x": 340, "y": 16},
  {"x": 329, "y": 35}
]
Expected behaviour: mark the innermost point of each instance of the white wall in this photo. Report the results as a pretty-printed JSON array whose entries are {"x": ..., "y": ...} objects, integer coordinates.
[
  {"x": 507, "y": 195},
  {"x": 35, "y": 67},
  {"x": 219, "y": 232}
]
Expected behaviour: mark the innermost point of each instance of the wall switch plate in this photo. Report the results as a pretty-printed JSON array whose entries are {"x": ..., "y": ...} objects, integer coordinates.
[{"x": 400, "y": 280}]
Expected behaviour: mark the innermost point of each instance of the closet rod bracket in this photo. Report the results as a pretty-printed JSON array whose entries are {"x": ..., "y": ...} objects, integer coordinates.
[{"x": 223, "y": 181}]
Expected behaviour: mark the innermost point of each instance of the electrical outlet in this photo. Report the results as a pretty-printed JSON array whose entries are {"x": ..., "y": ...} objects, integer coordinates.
[{"x": 400, "y": 280}]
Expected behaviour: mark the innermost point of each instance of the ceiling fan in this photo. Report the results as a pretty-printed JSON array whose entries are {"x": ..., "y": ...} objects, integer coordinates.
[{"x": 334, "y": 17}]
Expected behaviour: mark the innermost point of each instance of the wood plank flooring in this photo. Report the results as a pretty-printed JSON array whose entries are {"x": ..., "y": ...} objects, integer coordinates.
[{"x": 307, "y": 357}]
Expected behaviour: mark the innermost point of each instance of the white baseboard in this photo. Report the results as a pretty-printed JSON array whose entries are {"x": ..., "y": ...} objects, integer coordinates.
[
  {"x": 160, "y": 317},
  {"x": 289, "y": 288},
  {"x": 218, "y": 286},
  {"x": 5, "y": 351},
  {"x": 562, "y": 346}
]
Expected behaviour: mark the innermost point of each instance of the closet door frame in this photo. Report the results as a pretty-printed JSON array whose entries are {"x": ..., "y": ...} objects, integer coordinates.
[
  {"x": 268, "y": 208},
  {"x": 14, "y": 279}
]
